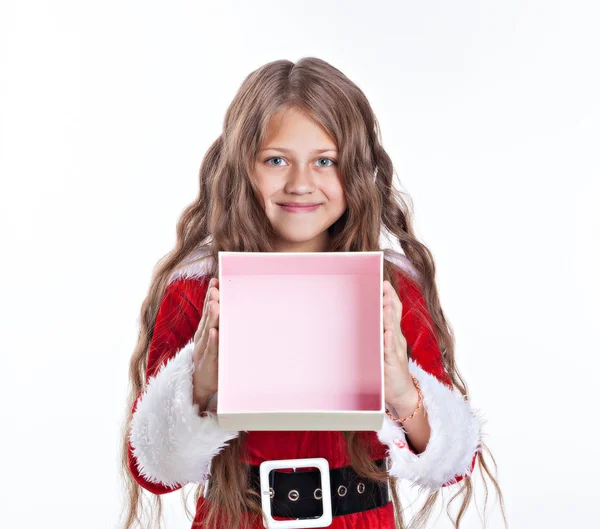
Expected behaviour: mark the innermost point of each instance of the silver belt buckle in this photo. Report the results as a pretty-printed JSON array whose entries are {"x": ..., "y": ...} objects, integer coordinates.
[{"x": 319, "y": 462}]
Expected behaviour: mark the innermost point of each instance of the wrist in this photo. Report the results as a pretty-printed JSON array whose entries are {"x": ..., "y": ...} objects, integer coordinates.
[{"x": 406, "y": 404}]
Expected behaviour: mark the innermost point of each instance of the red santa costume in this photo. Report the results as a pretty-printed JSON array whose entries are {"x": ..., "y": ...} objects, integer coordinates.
[{"x": 171, "y": 444}]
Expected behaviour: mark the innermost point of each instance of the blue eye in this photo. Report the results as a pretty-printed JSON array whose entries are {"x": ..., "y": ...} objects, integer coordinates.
[
  {"x": 274, "y": 158},
  {"x": 333, "y": 162}
]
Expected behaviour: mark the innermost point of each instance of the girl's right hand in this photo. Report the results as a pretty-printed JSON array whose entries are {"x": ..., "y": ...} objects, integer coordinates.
[{"x": 206, "y": 347}]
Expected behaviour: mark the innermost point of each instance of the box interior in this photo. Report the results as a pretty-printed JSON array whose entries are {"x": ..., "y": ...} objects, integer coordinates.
[{"x": 300, "y": 332}]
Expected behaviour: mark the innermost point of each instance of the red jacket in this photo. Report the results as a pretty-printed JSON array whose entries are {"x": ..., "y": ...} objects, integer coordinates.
[{"x": 171, "y": 445}]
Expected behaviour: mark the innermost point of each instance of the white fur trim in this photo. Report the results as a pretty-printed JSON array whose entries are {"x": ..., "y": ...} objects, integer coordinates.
[
  {"x": 401, "y": 261},
  {"x": 455, "y": 436},
  {"x": 172, "y": 443},
  {"x": 191, "y": 267}
]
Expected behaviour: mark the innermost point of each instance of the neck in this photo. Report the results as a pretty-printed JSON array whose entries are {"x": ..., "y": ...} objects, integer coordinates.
[{"x": 318, "y": 244}]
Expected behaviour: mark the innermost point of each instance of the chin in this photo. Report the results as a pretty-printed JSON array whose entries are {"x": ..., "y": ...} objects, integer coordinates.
[{"x": 298, "y": 237}]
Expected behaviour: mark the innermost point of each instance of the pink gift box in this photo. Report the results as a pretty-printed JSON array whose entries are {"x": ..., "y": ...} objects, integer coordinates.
[{"x": 301, "y": 341}]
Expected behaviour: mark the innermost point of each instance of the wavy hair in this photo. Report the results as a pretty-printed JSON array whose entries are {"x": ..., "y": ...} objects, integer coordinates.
[{"x": 228, "y": 215}]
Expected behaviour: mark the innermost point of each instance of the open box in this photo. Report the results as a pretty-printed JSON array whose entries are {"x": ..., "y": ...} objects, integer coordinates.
[{"x": 301, "y": 341}]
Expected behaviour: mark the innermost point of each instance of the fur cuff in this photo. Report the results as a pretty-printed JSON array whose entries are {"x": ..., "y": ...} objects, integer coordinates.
[
  {"x": 454, "y": 440},
  {"x": 172, "y": 443}
]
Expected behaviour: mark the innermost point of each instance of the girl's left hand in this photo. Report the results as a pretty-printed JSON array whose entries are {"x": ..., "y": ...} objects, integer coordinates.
[{"x": 399, "y": 386}]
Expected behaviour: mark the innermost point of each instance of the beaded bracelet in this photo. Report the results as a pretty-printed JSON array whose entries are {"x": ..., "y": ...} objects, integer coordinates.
[{"x": 419, "y": 403}]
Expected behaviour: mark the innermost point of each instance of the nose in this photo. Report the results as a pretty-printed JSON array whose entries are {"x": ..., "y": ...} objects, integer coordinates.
[{"x": 300, "y": 180}]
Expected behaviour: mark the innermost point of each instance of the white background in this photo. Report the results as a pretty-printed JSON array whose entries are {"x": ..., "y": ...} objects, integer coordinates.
[{"x": 490, "y": 113}]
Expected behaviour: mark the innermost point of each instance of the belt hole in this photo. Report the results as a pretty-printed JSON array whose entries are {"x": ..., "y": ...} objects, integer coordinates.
[
  {"x": 342, "y": 490},
  {"x": 318, "y": 494},
  {"x": 360, "y": 487},
  {"x": 271, "y": 492},
  {"x": 293, "y": 495}
]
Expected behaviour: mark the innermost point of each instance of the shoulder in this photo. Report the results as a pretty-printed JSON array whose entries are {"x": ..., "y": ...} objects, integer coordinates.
[
  {"x": 194, "y": 271},
  {"x": 199, "y": 264},
  {"x": 408, "y": 286},
  {"x": 196, "y": 266},
  {"x": 189, "y": 281},
  {"x": 404, "y": 273},
  {"x": 401, "y": 263}
]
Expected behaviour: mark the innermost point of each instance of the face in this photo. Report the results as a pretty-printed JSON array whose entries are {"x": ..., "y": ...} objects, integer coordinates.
[{"x": 297, "y": 165}]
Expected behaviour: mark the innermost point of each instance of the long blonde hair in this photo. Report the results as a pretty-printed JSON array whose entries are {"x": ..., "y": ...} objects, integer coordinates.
[{"x": 227, "y": 216}]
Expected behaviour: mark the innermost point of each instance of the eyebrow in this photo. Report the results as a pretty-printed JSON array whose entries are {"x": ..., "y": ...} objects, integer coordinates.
[{"x": 289, "y": 150}]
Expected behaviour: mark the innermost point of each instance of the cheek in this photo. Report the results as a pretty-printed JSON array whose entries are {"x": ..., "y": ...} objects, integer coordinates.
[
  {"x": 335, "y": 193},
  {"x": 266, "y": 189}
]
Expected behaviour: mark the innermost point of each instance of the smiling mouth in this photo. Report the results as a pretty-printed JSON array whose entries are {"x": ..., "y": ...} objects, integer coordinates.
[{"x": 298, "y": 208}]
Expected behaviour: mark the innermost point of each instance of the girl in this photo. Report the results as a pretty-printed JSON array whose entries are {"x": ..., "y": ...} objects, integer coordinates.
[{"x": 299, "y": 167}]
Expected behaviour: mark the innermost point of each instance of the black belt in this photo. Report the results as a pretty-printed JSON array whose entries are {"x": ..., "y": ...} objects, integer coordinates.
[{"x": 298, "y": 494}]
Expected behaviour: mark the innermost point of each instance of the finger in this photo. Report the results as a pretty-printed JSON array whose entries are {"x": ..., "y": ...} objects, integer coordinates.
[
  {"x": 391, "y": 324},
  {"x": 200, "y": 328},
  {"x": 213, "y": 342},
  {"x": 207, "y": 299},
  {"x": 388, "y": 344},
  {"x": 213, "y": 317},
  {"x": 388, "y": 318},
  {"x": 388, "y": 298},
  {"x": 208, "y": 323},
  {"x": 400, "y": 340},
  {"x": 391, "y": 296},
  {"x": 217, "y": 314},
  {"x": 216, "y": 294}
]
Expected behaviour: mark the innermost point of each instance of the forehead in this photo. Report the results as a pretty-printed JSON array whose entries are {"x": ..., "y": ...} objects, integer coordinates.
[{"x": 292, "y": 130}]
